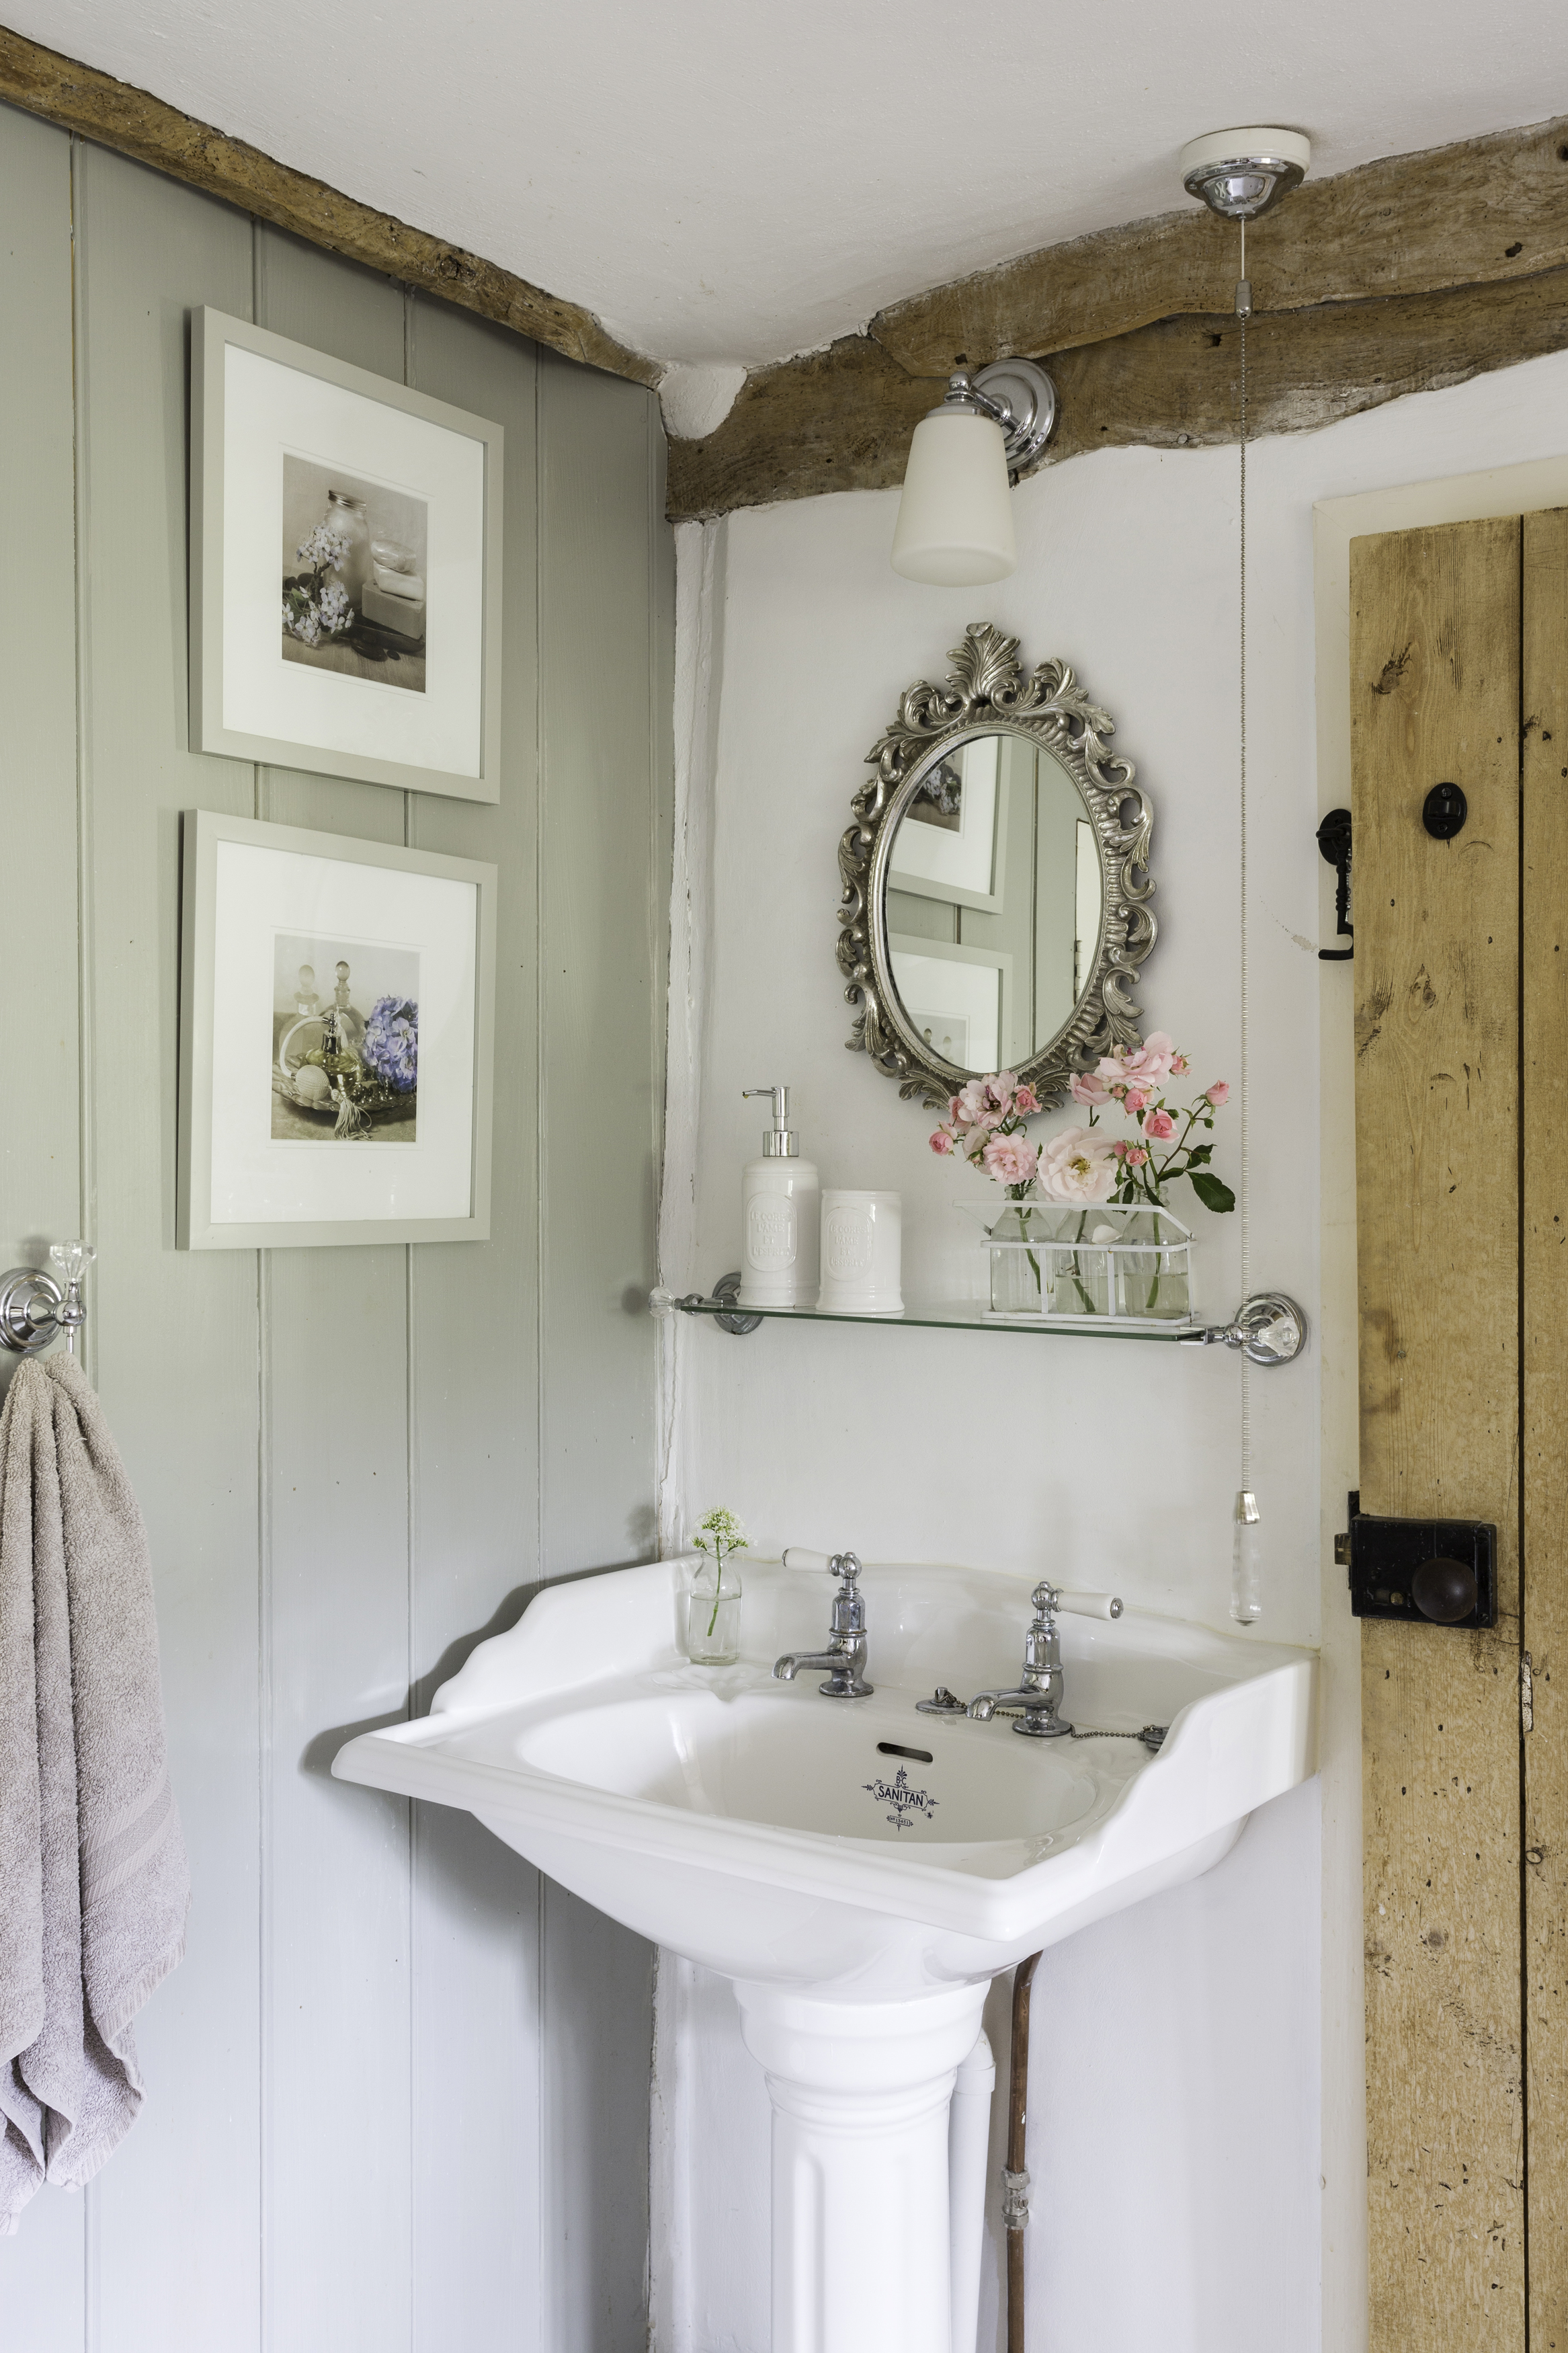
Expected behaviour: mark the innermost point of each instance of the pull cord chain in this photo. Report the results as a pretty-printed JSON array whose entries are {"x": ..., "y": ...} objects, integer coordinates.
[
  {"x": 1244, "y": 304},
  {"x": 1246, "y": 1603}
]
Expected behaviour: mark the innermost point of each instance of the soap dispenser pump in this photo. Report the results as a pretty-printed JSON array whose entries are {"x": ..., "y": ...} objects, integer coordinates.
[{"x": 780, "y": 1231}]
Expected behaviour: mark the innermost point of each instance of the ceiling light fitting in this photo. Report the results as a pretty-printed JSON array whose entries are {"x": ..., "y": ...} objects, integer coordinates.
[
  {"x": 955, "y": 518},
  {"x": 1240, "y": 174}
]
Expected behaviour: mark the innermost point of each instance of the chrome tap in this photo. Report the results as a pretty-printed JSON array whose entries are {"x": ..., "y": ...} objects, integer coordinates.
[
  {"x": 1041, "y": 1683},
  {"x": 845, "y": 1657}
]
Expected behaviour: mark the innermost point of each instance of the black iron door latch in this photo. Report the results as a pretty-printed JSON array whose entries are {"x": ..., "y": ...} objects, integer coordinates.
[{"x": 1431, "y": 1572}]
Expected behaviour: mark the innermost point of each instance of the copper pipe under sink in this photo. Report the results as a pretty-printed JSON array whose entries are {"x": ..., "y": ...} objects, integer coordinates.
[{"x": 1017, "y": 2140}]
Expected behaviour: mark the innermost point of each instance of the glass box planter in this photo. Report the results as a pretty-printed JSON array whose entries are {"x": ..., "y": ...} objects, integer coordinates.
[{"x": 1094, "y": 1263}]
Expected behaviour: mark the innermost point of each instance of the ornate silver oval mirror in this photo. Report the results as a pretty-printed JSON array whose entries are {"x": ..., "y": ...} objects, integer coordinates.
[{"x": 995, "y": 881}]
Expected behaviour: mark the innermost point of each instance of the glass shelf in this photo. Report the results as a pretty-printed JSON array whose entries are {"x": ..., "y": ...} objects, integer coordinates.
[
  {"x": 1269, "y": 1328},
  {"x": 951, "y": 1315}
]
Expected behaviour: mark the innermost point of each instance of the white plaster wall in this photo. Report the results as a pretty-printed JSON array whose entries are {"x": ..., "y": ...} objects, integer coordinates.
[{"x": 1183, "y": 2189}]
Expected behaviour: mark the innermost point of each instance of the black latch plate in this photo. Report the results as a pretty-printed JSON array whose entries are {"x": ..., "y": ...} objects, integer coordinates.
[{"x": 1384, "y": 1555}]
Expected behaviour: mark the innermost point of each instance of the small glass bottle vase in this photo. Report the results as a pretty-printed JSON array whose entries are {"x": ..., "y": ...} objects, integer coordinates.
[
  {"x": 712, "y": 1612},
  {"x": 1045, "y": 1261},
  {"x": 1154, "y": 1283},
  {"x": 1016, "y": 1273}
]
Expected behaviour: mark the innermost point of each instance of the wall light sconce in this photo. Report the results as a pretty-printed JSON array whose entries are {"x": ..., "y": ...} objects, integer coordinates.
[{"x": 955, "y": 518}]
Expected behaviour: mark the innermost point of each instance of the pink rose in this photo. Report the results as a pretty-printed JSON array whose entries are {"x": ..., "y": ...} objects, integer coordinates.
[
  {"x": 1136, "y": 1155},
  {"x": 1010, "y": 1160},
  {"x": 1147, "y": 1064},
  {"x": 1219, "y": 1092},
  {"x": 942, "y": 1142},
  {"x": 1180, "y": 1065},
  {"x": 1088, "y": 1089},
  {"x": 971, "y": 1106},
  {"x": 999, "y": 1088},
  {"x": 1159, "y": 1124},
  {"x": 1075, "y": 1165},
  {"x": 1026, "y": 1101},
  {"x": 1136, "y": 1098}
]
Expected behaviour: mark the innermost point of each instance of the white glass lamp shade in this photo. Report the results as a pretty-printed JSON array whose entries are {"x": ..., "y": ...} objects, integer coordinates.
[{"x": 955, "y": 519}]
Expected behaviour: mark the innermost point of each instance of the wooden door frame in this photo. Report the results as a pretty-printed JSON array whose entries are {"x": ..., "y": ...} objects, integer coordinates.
[{"x": 1464, "y": 498}]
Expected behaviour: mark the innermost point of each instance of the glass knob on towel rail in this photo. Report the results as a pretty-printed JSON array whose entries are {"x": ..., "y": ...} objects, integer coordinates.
[{"x": 73, "y": 1259}]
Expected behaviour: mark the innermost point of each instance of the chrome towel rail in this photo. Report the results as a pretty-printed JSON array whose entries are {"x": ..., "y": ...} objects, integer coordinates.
[{"x": 35, "y": 1306}]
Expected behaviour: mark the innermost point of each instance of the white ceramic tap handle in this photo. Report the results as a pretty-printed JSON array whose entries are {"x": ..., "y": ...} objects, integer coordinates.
[
  {"x": 1091, "y": 1605},
  {"x": 797, "y": 1556}
]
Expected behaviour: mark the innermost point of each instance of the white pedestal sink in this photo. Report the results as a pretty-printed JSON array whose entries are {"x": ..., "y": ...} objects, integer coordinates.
[{"x": 861, "y": 1896}]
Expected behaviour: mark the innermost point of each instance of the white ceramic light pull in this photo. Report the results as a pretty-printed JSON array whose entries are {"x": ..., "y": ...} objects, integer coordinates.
[
  {"x": 1246, "y": 1598},
  {"x": 1091, "y": 1605},
  {"x": 797, "y": 1556}
]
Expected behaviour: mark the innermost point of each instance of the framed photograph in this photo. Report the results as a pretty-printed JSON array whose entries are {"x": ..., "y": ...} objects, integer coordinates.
[
  {"x": 345, "y": 568},
  {"x": 336, "y": 1017},
  {"x": 951, "y": 840}
]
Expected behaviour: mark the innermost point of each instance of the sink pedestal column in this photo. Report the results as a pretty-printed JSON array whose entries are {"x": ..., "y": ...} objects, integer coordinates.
[{"x": 861, "y": 2221}]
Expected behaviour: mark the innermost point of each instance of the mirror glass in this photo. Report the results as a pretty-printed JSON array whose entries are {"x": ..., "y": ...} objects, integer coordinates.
[{"x": 992, "y": 903}]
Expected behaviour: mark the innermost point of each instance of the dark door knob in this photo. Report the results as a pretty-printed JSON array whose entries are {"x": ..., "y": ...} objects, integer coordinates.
[{"x": 1444, "y": 1590}]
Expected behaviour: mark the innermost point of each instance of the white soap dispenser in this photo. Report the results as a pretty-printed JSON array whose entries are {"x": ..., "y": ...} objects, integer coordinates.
[{"x": 780, "y": 1231}]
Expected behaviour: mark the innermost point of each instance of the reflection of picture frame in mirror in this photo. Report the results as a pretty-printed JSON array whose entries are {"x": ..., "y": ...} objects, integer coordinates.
[
  {"x": 958, "y": 853},
  {"x": 960, "y": 999},
  {"x": 1088, "y": 903}
]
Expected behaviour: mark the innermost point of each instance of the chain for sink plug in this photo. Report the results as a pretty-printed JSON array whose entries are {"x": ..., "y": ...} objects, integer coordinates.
[
  {"x": 1153, "y": 1734},
  {"x": 943, "y": 1703}
]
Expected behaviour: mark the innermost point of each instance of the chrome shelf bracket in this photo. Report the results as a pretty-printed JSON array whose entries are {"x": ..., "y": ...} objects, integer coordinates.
[
  {"x": 726, "y": 1292},
  {"x": 1269, "y": 1328}
]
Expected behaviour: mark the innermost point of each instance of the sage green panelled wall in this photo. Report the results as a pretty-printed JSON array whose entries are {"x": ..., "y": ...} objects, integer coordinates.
[{"x": 398, "y": 2091}]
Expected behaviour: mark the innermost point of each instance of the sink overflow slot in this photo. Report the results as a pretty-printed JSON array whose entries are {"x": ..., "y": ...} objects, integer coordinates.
[{"x": 897, "y": 1749}]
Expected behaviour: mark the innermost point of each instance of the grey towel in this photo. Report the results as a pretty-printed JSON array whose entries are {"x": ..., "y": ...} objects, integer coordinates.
[{"x": 93, "y": 1885}]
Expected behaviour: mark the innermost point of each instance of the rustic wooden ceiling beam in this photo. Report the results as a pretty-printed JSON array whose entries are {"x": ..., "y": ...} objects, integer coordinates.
[
  {"x": 1401, "y": 275},
  {"x": 1479, "y": 210},
  {"x": 841, "y": 419},
  {"x": 94, "y": 104}
]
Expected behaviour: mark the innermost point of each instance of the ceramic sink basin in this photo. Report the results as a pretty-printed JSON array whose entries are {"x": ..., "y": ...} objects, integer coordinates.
[
  {"x": 856, "y": 1848},
  {"x": 859, "y": 1870}
]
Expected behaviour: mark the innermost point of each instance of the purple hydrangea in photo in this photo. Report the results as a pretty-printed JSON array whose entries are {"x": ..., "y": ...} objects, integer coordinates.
[{"x": 391, "y": 1048}]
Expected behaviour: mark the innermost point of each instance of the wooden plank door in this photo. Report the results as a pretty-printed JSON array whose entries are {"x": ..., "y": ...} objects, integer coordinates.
[
  {"x": 1435, "y": 668},
  {"x": 1544, "y": 1241}
]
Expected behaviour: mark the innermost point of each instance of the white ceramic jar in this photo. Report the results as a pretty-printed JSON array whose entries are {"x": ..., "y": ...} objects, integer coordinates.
[{"x": 862, "y": 1243}]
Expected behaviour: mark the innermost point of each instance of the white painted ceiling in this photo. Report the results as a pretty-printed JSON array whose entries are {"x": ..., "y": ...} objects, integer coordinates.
[{"x": 722, "y": 180}]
